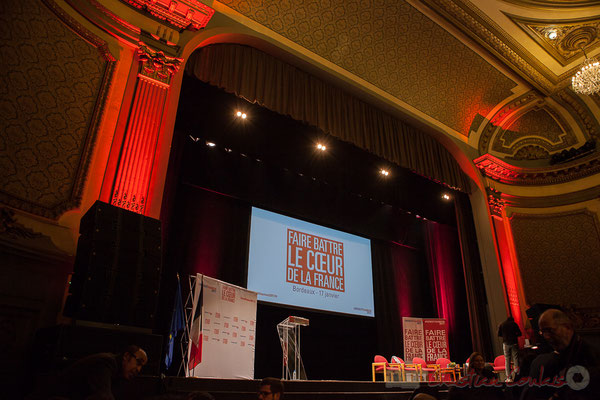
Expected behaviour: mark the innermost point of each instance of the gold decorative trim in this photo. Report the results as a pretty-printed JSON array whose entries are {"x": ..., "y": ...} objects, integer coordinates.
[
  {"x": 550, "y": 201},
  {"x": 587, "y": 122},
  {"x": 572, "y": 35},
  {"x": 502, "y": 114},
  {"x": 498, "y": 170},
  {"x": 77, "y": 6},
  {"x": 567, "y": 137},
  {"x": 489, "y": 34},
  {"x": 554, "y": 3},
  {"x": 79, "y": 29}
]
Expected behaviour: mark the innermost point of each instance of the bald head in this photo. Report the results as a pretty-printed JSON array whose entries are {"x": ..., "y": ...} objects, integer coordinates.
[{"x": 557, "y": 328}]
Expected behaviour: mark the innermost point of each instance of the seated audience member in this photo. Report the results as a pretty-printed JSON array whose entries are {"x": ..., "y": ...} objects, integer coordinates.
[
  {"x": 478, "y": 368},
  {"x": 270, "y": 389},
  {"x": 98, "y": 376},
  {"x": 478, "y": 383},
  {"x": 571, "y": 370}
]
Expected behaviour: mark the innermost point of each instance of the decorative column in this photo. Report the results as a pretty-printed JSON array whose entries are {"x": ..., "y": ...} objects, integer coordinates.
[
  {"x": 136, "y": 159},
  {"x": 508, "y": 261}
]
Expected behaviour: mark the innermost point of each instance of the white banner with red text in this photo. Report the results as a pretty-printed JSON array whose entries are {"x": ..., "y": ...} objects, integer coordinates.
[
  {"x": 228, "y": 330},
  {"x": 426, "y": 338}
]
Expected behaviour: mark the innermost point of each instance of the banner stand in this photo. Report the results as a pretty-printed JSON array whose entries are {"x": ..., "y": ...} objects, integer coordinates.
[
  {"x": 185, "y": 337},
  {"x": 221, "y": 319}
]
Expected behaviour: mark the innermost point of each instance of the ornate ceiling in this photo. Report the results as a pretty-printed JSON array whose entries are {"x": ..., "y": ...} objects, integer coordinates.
[
  {"x": 486, "y": 71},
  {"x": 49, "y": 88}
]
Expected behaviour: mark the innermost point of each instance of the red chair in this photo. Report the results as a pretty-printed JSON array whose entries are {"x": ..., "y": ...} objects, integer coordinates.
[
  {"x": 428, "y": 368},
  {"x": 411, "y": 368},
  {"x": 398, "y": 362},
  {"x": 446, "y": 374},
  {"x": 380, "y": 365},
  {"x": 500, "y": 366}
]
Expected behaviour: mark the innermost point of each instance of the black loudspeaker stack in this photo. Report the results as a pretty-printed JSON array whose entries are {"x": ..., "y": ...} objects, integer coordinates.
[{"x": 117, "y": 270}]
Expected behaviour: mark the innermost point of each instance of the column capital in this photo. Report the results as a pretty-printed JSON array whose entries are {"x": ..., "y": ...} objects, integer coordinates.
[{"x": 154, "y": 64}]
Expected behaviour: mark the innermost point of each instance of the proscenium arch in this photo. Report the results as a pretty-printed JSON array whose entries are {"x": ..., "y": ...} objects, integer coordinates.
[
  {"x": 458, "y": 147},
  {"x": 322, "y": 69}
]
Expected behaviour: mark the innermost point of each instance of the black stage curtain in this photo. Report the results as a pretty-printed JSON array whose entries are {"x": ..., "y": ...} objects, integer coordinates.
[
  {"x": 281, "y": 87},
  {"x": 206, "y": 213},
  {"x": 208, "y": 233}
]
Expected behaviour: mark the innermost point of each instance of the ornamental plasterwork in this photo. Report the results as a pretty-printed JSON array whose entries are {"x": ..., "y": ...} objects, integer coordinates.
[
  {"x": 542, "y": 127},
  {"x": 182, "y": 14},
  {"x": 504, "y": 113},
  {"x": 155, "y": 65},
  {"x": 531, "y": 152},
  {"x": 498, "y": 170},
  {"x": 587, "y": 122},
  {"x": 485, "y": 31},
  {"x": 571, "y": 36},
  {"x": 495, "y": 202}
]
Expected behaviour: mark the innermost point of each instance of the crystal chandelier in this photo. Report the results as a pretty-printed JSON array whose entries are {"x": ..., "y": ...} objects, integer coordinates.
[{"x": 587, "y": 79}]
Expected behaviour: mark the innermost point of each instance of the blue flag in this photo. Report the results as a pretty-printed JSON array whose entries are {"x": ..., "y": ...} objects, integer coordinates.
[{"x": 177, "y": 324}]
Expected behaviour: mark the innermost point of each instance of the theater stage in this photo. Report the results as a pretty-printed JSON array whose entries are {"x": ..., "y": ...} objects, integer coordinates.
[{"x": 238, "y": 389}]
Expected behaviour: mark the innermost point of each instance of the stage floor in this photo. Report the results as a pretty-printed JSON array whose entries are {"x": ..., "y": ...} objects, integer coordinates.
[{"x": 237, "y": 389}]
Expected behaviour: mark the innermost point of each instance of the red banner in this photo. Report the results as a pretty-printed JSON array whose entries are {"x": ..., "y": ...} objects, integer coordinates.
[{"x": 436, "y": 339}]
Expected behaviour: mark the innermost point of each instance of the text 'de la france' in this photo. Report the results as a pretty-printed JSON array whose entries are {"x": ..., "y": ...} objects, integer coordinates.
[{"x": 315, "y": 261}]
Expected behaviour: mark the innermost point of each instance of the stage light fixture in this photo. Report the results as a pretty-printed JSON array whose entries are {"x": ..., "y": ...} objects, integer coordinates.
[
  {"x": 321, "y": 147},
  {"x": 210, "y": 144},
  {"x": 384, "y": 172},
  {"x": 241, "y": 115},
  {"x": 446, "y": 196}
]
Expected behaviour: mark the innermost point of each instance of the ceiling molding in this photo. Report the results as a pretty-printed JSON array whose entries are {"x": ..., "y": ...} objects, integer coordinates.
[
  {"x": 550, "y": 132},
  {"x": 589, "y": 124},
  {"x": 515, "y": 201},
  {"x": 529, "y": 99},
  {"x": 485, "y": 31},
  {"x": 554, "y": 3},
  {"x": 500, "y": 171},
  {"x": 572, "y": 35}
]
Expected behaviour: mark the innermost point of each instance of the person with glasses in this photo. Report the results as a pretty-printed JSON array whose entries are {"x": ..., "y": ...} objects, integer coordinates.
[
  {"x": 571, "y": 370},
  {"x": 270, "y": 389},
  {"x": 99, "y": 376}
]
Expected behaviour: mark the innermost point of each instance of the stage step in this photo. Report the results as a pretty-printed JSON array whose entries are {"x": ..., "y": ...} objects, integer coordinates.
[{"x": 238, "y": 389}]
